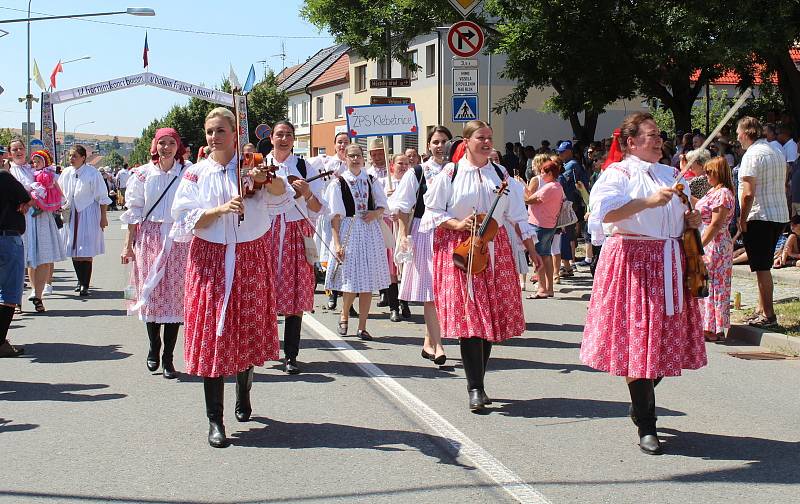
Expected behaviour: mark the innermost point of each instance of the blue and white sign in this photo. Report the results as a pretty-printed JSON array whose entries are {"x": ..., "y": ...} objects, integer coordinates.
[
  {"x": 37, "y": 144},
  {"x": 379, "y": 120},
  {"x": 465, "y": 108}
]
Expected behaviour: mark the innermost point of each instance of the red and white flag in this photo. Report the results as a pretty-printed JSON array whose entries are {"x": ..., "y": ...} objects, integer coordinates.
[
  {"x": 57, "y": 69},
  {"x": 144, "y": 54}
]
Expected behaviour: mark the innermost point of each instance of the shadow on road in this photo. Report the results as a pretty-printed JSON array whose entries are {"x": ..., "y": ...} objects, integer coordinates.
[
  {"x": 68, "y": 392},
  {"x": 7, "y": 426},
  {"x": 769, "y": 460},
  {"x": 82, "y": 313},
  {"x": 563, "y": 407},
  {"x": 64, "y": 353},
  {"x": 522, "y": 341},
  {"x": 303, "y": 435},
  {"x": 502, "y": 363},
  {"x": 542, "y": 327}
]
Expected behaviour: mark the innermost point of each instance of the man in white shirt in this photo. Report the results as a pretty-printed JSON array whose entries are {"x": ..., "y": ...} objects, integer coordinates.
[
  {"x": 792, "y": 167},
  {"x": 764, "y": 213},
  {"x": 122, "y": 183},
  {"x": 771, "y": 135}
]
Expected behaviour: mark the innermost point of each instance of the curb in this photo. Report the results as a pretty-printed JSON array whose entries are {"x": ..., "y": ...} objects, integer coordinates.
[
  {"x": 766, "y": 339},
  {"x": 785, "y": 277}
]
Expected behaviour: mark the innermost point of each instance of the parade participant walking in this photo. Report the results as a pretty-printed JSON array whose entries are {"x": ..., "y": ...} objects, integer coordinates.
[
  {"x": 290, "y": 236},
  {"x": 640, "y": 277},
  {"x": 337, "y": 164},
  {"x": 379, "y": 171},
  {"x": 43, "y": 245},
  {"x": 14, "y": 204},
  {"x": 121, "y": 178},
  {"x": 716, "y": 211},
  {"x": 159, "y": 262},
  {"x": 356, "y": 203},
  {"x": 408, "y": 200},
  {"x": 484, "y": 308},
  {"x": 397, "y": 168},
  {"x": 229, "y": 306},
  {"x": 86, "y": 198}
]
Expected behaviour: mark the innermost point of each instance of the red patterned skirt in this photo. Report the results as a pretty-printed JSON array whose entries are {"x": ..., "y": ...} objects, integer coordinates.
[
  {"x": 495, "y": 311},
  {"x": 165, "y": 303},
  {"x": 628, "y": 332},
  {"x": 250, "y": 332},
  {"x": 294, "y": 280}
]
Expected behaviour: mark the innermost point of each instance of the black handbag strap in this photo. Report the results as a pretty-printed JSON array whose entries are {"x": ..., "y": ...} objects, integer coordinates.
[{"x": 163, "y": 194}]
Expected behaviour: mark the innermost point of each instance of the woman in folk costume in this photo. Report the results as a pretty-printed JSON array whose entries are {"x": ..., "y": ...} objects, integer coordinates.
[
  {"x": 357, "y": 202},
  {"x": 43, "y": 245},
  {"x": 398, "y": 166},
  {"x": 229, "y": 306},
  {"x": 86, "y": 199},
  {"x": 337, "y": 164},
  {"x": 292, "y": 231},
  {"x": 484, "y": 308},
  {"x": 159, "y": 261},
  {"x": 416, "y": 283},
  {"x": 642, "y": 323}
]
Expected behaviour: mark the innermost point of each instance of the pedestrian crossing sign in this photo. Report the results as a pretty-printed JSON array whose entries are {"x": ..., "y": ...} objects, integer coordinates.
[{"x": 465, "y": 108}]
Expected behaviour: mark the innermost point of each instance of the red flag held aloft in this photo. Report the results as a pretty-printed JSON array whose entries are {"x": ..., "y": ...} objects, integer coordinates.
[
  {"x": 144, "y": 55},
  {"x": 58, "y": 68}
]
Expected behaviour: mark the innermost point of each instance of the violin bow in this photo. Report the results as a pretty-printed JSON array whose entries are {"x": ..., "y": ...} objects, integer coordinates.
[
  {"x": 710, "y": 138},
  {"x": 237, "y": 154}
]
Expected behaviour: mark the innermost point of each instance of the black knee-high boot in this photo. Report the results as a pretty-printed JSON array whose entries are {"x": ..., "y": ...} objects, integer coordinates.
[
  {"x": 291, "y": 342},
  {"x": 154, "y": 335},
  {"x": 394, "y": 304},
  {"x": 244, "y": 382},
  {"x": 643, "y": 401},
  {"x": 87, "y": 275},
  {"x": 170, "y": 339},
  {"x": 76, "y": 265},
  {"x": 472, "y": 359},
  {"x": 487, "y": 351},
  {"x": 630, "y": 408},
  {"x": 214, "y": 389}
]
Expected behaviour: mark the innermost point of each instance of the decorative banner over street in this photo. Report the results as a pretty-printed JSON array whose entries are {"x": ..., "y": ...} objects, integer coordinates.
[
  {"x": 381, "y": 120},
  {"x": 143, "y": 79}
]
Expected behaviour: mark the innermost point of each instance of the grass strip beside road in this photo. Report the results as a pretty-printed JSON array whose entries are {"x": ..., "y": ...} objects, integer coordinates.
[{"x": 788, "y": 312}]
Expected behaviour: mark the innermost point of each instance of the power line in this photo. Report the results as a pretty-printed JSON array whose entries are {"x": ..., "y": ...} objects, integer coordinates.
[{"x": 176, "y": 30}]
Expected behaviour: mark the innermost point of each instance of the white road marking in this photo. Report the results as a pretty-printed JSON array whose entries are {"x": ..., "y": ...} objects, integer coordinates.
[{"x": 482, "y": 459}]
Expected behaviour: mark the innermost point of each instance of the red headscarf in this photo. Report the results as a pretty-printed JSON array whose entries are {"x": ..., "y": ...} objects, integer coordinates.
[
  {"x": 615, "y": 152},
  {"x": 161, "y": 133},
  {"x": 48, "y": 159}
]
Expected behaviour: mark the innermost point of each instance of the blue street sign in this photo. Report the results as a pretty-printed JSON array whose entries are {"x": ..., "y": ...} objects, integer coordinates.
[
  {"x": 465, "y": 108},
  {"x": 37, "y": 144}
]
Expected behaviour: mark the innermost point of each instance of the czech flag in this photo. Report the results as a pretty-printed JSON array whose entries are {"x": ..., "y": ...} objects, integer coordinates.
[{"x": 144, "y": 54}]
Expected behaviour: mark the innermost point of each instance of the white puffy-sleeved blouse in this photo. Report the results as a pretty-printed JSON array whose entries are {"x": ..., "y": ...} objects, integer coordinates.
[
  {"x": 24, "y": 174},
  {"x": 359, "y": 187},
  {"x": 83, "y": 186},
  {"x": 381, "y": 174},
  {"x": 472, "y": 190},
  {"x": 295, "y": 206},
  {"x": 145, "y": 186},
  {"x": 207, "y": 185},
  {"x": 630, "y": 179}
]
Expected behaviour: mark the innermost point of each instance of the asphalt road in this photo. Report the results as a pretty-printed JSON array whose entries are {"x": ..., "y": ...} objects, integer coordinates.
[{"x": 82, "y": 420}]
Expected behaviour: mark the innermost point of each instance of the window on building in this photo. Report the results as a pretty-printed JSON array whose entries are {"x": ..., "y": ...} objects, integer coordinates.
[
  {"x": 320, "y": 110},
  {"x": 430, "y": 60},
  {"x": 410, "y": 142},
  {"x": 293, "y": 116},
  {"x": 338, "y": 103},
  {"x": 361, "y": 78},
  {"x": 410, "y": 72},
  {"x": 305, "y": 113}
]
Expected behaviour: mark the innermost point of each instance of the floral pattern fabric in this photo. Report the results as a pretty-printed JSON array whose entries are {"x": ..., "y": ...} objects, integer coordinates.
[{"x": 719, "y": 261}]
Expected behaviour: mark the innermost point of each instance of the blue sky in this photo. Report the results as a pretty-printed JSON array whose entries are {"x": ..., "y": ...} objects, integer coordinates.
[{"x": 116, "y": 51}]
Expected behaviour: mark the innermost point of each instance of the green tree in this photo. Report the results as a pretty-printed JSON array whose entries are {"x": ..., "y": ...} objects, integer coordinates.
[
  {"x": 141, "y": 146},
  {"x": 572, "y": 52},
  {"x": 265, "y": 104},
  {"x": 365, "y": 24},
  {"x": 5, "y": 137},
  {"x": 113, "y": 159}
]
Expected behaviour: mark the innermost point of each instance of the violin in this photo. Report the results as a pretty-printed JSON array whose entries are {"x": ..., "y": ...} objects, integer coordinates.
[
  {"x": 472, "y": 254},
  {"x": 248, "y": 161},
  {"x": 696, "y": 272},
  {"x": 324, "y": 175}
]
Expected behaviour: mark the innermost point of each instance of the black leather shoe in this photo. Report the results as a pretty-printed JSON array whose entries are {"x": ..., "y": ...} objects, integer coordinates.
[
  {"x": 485, "y": 398},
  {"x": 394, "y": 316},
  {"x": 383, "y": 301},
  {"x": 331, "y": 302},
  {"x": 475, "y": 402},
  {"x": 426, "y": 355},
  {"x": 152, "y": 362},
  {"x": 216, "y": 434},
  {"x": 169, "y": 371},
  {"x": 77, "y": 288},
  {"x": 439, "y": 361},
  {"x": 649, "y": 443},
  {"x": 364, "y": 335},
  {"x": 405, "y": 311},
  {"x": 84, "y": 292},
  {"x": 292, "y": 367}
]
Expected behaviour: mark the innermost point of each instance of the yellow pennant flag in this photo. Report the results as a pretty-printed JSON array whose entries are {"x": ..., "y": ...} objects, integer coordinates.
[{"x": 37, "y": 76}]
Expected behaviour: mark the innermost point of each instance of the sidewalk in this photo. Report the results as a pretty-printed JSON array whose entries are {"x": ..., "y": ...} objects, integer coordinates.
[{"x": 787, "y": 276}]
